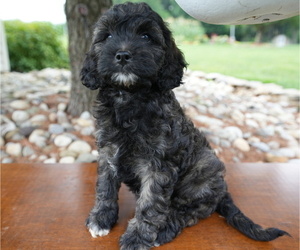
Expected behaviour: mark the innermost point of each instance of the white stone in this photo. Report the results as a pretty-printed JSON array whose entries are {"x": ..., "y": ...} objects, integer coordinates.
[
  {"x": 231, "y": 133},
  {"x": 87, "y": 131},
  {"x": 62, "y": 106},
  {"x": 251, "y": 123},
  {"x": 44, "y": 106},
  {"x": 261, "y": 146},
  {"x": 95, "y": 152},
  {"x": 7, "y": 160},
  {"x": 62, "y": 117},
  {"x": 84, "y": 122},
  {"x": 286, "y": 152},
  {"x": 19, "y": 116},
  {"x": 208, "y": 120},
  {"x": 274, "y": 144},
  {"x": 7, "y": 127},
  {"x": 266, "y": 131},
  {"x": 62, "y": 140},
  {"x": 27, "y": 151},
  {"x": 2, "y": 142},
  {"x": 19, "y": 104},
  {"x": 50, "y": 161},
  {"x": 38, "y": 119},
  {"x": 38, "y": 137},
  {"x": 80, "y": 147},
  {"x": 42, "y": 158},
  {"x": 241, "y": 144},
  {"x": 55, "y": 129},
  {"x": 67, "y": 159},
  {"x": 85, "y": 115},
  {"x": 238, "y": 116},
  {"x": 86, "y": 157},
  {"x": 52, "y": 117},
  {"x": 14, "y": 149}
]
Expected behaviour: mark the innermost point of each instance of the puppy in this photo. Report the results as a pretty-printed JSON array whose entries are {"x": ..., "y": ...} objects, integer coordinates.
[{"x": 144, "y": 138}]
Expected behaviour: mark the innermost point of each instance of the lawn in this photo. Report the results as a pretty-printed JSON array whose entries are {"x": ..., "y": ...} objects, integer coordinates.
[{"x": 264, "y": 63}]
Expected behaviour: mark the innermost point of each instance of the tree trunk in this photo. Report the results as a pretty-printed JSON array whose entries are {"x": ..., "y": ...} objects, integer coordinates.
[{"x": 81, "y": 17}]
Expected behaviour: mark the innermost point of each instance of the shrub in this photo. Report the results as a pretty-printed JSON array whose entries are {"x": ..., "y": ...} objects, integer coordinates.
[
  {"x": 186, "y": 30},
  {"x": 34, "y": 46}
]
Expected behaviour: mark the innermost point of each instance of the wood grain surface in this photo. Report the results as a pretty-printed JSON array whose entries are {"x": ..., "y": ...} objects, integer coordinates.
[{"x": 45, "y": 207}]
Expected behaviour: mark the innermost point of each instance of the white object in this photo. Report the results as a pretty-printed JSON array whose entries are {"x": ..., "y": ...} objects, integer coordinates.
[{"x": 240, "y": 11}]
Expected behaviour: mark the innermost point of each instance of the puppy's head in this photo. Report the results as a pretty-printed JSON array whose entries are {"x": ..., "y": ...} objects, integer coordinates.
[{"x": 132, "y": 48}]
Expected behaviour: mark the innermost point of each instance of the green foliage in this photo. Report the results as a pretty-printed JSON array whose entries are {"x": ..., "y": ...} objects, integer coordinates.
[
  {"x": 186, "y": 30},
  {"x": 34, "y": 46}
]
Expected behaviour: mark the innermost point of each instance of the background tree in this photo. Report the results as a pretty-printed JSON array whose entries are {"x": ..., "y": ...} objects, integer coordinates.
[{"x": 81, "y": 17}]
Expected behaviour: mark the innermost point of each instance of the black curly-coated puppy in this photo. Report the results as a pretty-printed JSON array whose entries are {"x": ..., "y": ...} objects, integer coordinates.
[{"x": 144, "y": 138}]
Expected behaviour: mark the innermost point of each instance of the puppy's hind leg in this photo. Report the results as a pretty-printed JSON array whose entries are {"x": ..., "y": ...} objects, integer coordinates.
[
  {"x": 170, "y": 230},
  {"x": 105, "y": 212}
]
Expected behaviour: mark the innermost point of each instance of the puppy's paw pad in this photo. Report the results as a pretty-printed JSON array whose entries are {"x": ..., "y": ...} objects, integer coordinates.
[{"x": 96, "y": 231}]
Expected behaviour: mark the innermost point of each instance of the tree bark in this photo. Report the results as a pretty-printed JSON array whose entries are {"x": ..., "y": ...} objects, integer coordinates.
[{"x": 81, "y": 17}]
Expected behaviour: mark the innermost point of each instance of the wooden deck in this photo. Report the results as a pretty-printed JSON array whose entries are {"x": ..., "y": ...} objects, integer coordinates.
[{"x": 45, "y": 207}]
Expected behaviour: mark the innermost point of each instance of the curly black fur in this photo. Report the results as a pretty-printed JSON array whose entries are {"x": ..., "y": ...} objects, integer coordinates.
[{"x": 144, "y": 138}]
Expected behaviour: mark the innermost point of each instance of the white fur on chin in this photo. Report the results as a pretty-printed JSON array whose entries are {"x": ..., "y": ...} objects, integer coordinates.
[{"x": 124, "y": 79}]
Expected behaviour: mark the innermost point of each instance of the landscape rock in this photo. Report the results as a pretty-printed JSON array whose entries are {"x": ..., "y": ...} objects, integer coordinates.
[
  {"x": 7, "y": 127},
  {"x": 62, "y": 140},
  {"x": 27, "y": 151},
  {"x": 14, "y": 149},
  {"x": 26, "y": 130},
  {"x": 80, "y": 147},
  {"x": 39, "y": 138},
  {"x": 231, "y": 133},
  {"x": 62, "y": 106},
  {"x": 86, "y": 158},
  {"x": 67, "y": 159},
  {"x": 241, "y": 144},
  {"x": 38, "y": 120},
  {"x": 56, "y": 129},
  {"x": 2, "y": 141},
  {"x": 274, "y": 158},
  {"x": 285, "y": 152},
  {"x": 19, "y": 104},
  {"x": 50, "y": 161},
  {"x": 19, "y": 116},
  {"x": 7, "y": 160},
  {"x": 266, "y": 131},
  {"x": 261, "y": 146},
  {"x": 245, "y": 121}
]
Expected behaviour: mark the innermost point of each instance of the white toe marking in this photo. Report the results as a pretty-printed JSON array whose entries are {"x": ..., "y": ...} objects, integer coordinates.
[
  {"x": 95, "y": 231},
  {"x": 103, "y": 232},
  {"x": 94, "y": 235}
]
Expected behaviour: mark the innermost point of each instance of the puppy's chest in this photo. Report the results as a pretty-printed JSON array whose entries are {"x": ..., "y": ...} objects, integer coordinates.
[{"x": 131, "y": 117}]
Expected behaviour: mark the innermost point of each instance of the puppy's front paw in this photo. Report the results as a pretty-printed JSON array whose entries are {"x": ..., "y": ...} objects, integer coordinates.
[
  {"x": 132, "y": 242},
  {"x": 94, "y": 228},
  {"x": 96, "y": 231}
]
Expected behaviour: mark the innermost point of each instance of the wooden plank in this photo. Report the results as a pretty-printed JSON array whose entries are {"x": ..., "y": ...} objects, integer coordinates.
[{"x": 45, "y": 207}]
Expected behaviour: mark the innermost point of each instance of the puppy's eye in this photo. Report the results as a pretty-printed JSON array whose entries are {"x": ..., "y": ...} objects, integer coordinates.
[
  {"x": 145, "y": 36},
  {"x": 109, "y": 36}
]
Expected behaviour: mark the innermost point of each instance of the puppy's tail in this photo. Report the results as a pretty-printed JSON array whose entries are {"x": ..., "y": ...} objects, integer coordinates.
[{"x": 238, "y": 220}]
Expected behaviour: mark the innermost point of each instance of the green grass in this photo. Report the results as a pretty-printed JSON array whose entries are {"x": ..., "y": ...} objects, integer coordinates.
[{"x": 264, "y": 63}]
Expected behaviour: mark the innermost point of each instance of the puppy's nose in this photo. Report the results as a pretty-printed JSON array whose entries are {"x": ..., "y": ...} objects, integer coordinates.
[{"x": 123, "y": 57}]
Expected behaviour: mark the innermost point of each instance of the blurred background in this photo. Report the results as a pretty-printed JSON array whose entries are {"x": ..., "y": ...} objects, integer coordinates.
[{"x": 228, "y": 84}]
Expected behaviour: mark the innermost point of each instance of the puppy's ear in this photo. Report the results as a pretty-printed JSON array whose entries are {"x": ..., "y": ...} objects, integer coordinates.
[
  {"x": 89, "y": 74},
  {"x": 171, "y": 72}
]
